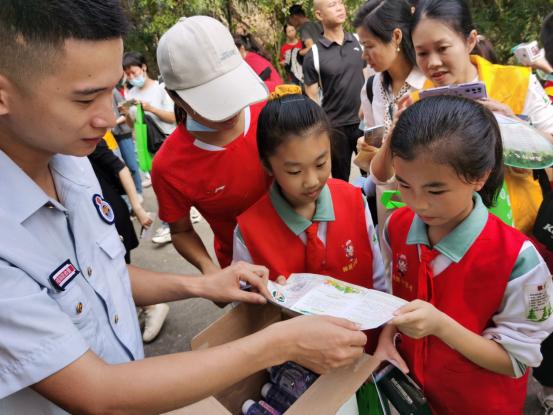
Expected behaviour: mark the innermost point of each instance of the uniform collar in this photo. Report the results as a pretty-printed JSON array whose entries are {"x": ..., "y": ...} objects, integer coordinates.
[
  {"x": 21, "y": 196},
  {"x": 456, "y": 244},
  {"x": 416, "y": 78},
  {"x": 324, "y": 210},
  {"x": 348, "y": 37}
]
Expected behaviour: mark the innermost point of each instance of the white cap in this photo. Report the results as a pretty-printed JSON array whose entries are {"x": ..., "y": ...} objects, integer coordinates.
[
  {"x": 198, "y": 59},
  {"x": 247, "y": 405}
]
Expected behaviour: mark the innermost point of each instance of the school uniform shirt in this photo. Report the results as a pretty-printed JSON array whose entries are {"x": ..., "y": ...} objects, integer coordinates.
[
  {"x": 506, "y": 291},
  {"x": 324, "y": 214},
  {"x": 221, "y": 182},
  {"x": 64, "y": 286}
]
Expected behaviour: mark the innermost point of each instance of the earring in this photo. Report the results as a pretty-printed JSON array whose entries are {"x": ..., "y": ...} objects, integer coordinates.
[{"x": 398, "y": 49}]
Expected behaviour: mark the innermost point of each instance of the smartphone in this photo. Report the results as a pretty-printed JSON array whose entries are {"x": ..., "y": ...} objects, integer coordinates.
[
  {"x": 374, "y": 135},
  {"x": 127, "y": 104},
  {"x": 473, "y": 90}
]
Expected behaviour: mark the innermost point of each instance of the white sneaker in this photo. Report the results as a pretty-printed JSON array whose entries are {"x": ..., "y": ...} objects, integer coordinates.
[
  {"x": 155, "y": 317},
  {"x": 195, "y": 216},
  {"x": 162, "y": 235}
]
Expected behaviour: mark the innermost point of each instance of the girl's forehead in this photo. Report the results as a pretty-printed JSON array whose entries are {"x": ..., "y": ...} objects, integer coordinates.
[{"x": 422, "y": 169}]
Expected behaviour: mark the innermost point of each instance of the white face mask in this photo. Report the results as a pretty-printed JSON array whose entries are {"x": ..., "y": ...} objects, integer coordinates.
[
  {"x": 194, "y": 126},
  {"x": 138, "y": 82}
]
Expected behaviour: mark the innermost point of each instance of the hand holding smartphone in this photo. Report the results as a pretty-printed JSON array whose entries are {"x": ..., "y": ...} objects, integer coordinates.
[{"x": 374, "y": 135}]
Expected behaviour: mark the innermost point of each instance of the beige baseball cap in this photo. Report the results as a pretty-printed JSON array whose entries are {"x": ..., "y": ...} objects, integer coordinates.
[{"x": 198, "y": 59}]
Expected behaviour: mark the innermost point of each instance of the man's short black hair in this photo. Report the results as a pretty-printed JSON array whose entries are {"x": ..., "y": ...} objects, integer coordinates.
[
  {"x": 32, "y": 32},
  {"x": 547, "y": 37},
  {"x": 296, "y": 10}
]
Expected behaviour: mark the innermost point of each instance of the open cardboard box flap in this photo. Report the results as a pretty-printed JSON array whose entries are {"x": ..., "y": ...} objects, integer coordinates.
[{"x": 324, "y": 397}]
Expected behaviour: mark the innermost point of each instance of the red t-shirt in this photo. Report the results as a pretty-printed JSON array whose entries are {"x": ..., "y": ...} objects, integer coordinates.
[
  {"x": 258, "y": 63},
  {"x": 221, "y": 182},
  {"x": 286, "y": 47}
]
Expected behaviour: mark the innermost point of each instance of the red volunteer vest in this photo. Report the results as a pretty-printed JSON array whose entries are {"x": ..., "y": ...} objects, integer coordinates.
[
  {"x": 348, "y": 250},
  {"x": 470, "y": 292}
]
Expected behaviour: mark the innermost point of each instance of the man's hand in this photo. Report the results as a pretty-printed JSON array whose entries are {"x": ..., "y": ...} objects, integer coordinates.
[
  {"x": 224, "y": 285},
  {"x": 419, "y": 319},
  {"x": 320, "y": 343}
]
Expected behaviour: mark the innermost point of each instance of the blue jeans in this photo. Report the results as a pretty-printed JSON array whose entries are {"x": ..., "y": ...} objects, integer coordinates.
[{"x": 128, "y": 152}]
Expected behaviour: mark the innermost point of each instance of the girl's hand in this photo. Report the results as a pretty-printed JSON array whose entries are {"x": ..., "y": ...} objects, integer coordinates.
[
  {"x": 386, "y": 349},
  {"x": 419, "y": 319},
  {"x": 143, "y": 217},
  {"x": 281, "y": 279},
  {"x": 146, "y": 106},
  {"x": 495, "y": 106}
]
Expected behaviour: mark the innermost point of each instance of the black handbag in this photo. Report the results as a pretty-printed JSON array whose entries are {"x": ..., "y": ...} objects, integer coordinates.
[{"x": 156, "y": 137}]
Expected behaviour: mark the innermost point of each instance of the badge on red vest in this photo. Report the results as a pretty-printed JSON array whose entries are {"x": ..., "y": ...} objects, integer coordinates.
[
  {"x": 104, "y": 209},
  {"x": 349, "y": 251},
  {"x": 63, "y": 275},
  {"x": 399, "y": 272}
]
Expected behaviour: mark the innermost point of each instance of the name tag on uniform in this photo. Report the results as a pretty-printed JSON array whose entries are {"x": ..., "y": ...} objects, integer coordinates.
[{"x": 63, "y": 275}]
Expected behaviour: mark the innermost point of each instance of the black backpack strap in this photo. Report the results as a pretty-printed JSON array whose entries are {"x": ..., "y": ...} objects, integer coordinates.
[
  {"x": 543, "y": 179},
  {"x": 369, "y": 89}
]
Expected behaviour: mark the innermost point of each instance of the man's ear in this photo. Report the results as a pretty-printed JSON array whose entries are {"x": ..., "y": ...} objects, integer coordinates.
[
  {"x": 318, "y": 15},
  {"x": 6, "y": 87}
]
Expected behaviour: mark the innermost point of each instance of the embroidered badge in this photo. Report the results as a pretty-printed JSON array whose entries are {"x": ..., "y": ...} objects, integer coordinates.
[
  {"x": 538, "y": 303},
  {"x": 349, "y": 250},
  {"x": 399, "y": 273},
  {"x": 104, "y": 209},
  {"x": 402, "y": 265},
  {"x": 63, "y": 275}
]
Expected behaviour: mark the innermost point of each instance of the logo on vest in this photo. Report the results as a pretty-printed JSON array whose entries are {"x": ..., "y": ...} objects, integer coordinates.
[
  {"x": 548, "y": 228},
  {"x": 538, "y": 302},
  {"x": 349, "y": 250},
  {"x": 402, "y": 265},
  {"x": 400, "y": 271}
]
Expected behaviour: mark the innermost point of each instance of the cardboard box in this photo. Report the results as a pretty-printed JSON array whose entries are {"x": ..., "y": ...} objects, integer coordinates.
[{"x": 324, "y": 397}]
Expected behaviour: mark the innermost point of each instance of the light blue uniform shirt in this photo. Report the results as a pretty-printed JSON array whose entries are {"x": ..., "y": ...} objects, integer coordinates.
[{"x": 43, "y": 329}]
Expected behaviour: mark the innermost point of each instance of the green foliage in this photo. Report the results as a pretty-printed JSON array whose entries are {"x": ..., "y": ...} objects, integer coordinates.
[
  {"x": 510, "y": 22},
  {"x": 505, "y": 22}
]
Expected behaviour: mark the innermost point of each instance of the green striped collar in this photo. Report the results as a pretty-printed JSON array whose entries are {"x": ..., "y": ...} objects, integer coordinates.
[
  {"x": 456, "y": 244},
  {"x": 324, "y": 210}
]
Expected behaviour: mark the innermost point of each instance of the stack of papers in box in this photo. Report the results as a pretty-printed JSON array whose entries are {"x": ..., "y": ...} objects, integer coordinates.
[{"x": 322, "y": 295}]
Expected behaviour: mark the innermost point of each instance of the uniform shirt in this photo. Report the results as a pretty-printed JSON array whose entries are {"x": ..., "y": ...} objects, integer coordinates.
[
  {"x": 42, "y": 329},
  {"x": 341, "y": 70},
  {"x": 221, "y": 182},
  {"x": 515, "y": 327},
  {"x": 324, "y": 213}
]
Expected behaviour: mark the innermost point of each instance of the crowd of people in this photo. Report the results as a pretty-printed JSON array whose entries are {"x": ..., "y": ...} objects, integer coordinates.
[{"x": 266, "y": 161}]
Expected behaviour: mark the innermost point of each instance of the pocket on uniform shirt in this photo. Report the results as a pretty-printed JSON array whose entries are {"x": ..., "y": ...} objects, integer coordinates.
[
  {"x": 111, "y": 244},
  {"x": 114, "y": 265}
]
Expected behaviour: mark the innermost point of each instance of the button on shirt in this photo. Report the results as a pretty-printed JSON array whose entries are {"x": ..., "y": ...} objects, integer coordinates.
[{"x": 44, "y": 329}]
